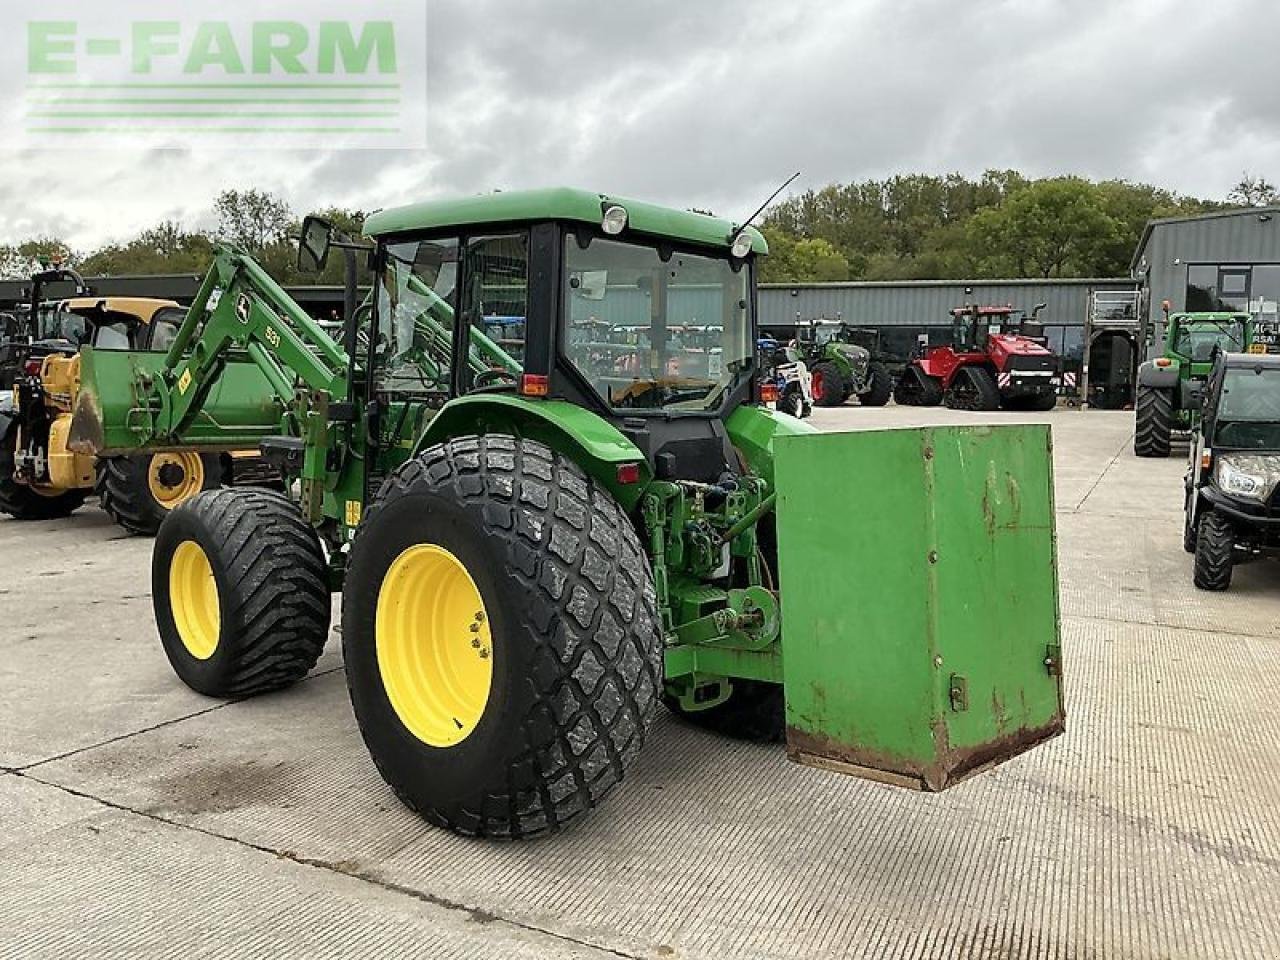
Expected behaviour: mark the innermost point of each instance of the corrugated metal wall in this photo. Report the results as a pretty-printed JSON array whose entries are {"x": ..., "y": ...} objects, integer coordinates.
[
  {"x": 927, "y": 302},
  {"x": 1246, "y": 238}
]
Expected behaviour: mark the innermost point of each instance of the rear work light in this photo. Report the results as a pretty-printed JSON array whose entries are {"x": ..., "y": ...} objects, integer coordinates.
[
  {"x": 534, "y": 385},
  {"x": 768, "y": 393}
]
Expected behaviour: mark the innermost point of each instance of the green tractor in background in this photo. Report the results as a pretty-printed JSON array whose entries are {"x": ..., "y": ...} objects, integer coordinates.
[
  {"x": 542, "y": 530},
  {"x": 1171, "y": 386},
  {"x": 841, "y": 367}
]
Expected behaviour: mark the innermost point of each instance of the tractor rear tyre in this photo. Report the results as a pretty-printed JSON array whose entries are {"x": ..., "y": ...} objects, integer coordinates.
[
  {"x": 829, "y": 388},
  {"x": 23, "y": 502},
  {"x": 241, "y": 594},
  {"x": 917, "y": 389},
  {"x": 1153, "y": 422},
  {"x": 1215, "y": 552},
  {"x": 138, "y": 492},
  {"x": 973, "y": 388},
  {"x": 501, "y": 635},
  {"x": 754, "y": 711},
  {"x": 879, "y": 388}
]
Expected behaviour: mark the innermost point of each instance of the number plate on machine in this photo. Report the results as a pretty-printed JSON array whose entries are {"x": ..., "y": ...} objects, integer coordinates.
[{"x": 918, "y": 575}]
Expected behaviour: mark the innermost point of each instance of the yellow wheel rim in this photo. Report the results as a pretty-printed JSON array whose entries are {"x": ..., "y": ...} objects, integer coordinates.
[
  {"x": 435, "y": 651},
  {"x": 193, "y": 600},
  {"x": 174, "y": 478}
]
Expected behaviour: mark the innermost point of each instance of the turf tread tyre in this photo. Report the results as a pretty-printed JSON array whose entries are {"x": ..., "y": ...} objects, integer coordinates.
[
  {"x": 577, "y": 635},
  {"x": 123, "y": 491},
  {"x": 831, "y": 389},
  {"x": 273, "y": 591},
  {"x": 1153, "y": 422},
  {"x": 19, "y": 501},
  {"x": 792, "y": 402},
  {"x": 880, "y": 386},
  {"x": 1215, "y": 549}
]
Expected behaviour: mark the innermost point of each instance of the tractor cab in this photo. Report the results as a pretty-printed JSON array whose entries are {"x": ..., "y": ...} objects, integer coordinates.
[{"x": 1196, "y": 337}]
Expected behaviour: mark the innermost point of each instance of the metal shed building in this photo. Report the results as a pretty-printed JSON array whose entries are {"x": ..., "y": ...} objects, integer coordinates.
[{"x": 1218, "y": 261}]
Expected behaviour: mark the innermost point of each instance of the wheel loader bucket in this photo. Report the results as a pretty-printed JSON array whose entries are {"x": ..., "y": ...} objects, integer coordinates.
[
  {"x": 113, "y": 414},
  {"x": 919, "y": 600}
]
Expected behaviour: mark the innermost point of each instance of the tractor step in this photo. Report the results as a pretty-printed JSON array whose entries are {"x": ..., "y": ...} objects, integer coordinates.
[{"x": 920, "y": 608}]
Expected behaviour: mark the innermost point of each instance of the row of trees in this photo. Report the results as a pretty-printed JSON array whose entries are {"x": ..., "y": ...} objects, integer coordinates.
[
  {"x": 1000, "y": 225},
  {"x": 255, "y": 220},
  {"x": 916, "y": 226}
]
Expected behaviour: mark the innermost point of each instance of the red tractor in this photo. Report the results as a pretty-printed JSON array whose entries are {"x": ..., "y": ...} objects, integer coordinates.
[{"x": 991, "y": 362}]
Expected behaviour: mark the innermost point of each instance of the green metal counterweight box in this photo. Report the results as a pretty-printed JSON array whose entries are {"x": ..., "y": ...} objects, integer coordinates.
[{"x": 919, "y": 599}]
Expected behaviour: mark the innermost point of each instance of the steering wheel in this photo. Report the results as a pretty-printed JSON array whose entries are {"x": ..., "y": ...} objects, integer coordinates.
[{"x": 494, "y": 376}]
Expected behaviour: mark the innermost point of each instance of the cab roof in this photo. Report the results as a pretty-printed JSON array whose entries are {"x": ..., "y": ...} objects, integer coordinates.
[
  {"x": 1251, "y": 361},
  {"x": 144, "y": 308},
  {"x": 558, "y": 203},
  {"x": 1211, "y": 316}
]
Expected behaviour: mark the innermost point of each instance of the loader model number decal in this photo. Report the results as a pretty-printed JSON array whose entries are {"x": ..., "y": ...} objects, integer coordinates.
[{"x": 272, "y": 336}]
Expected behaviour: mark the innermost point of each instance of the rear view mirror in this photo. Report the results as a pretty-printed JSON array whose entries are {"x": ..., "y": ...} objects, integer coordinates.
[
  {"x": 313, "y": 245},
  {"x": 8, "y": 326},
  {"x": 590, "y": 284}
]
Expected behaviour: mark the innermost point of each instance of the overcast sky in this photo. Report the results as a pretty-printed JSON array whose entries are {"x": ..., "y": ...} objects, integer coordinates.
[{"x": 711, "y": 104}]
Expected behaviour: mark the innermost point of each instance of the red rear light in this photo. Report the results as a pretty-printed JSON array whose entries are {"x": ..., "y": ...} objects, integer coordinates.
[
  {"x": 768, "y": 393},
  {"x": 32, "y": 368},
  {"x": 534, "y": 385},
  {"x": 629, "y": 473}
]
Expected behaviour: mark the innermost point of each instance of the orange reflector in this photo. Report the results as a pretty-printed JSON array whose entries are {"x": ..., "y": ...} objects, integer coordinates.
[
  {"x": 1163, "y": 362},
  {"x": 768, "y": 393},
  {"x": 629, "y": 473},
  {"x": 534, "y": 385},
  {"x": 1206, "y": 459}
]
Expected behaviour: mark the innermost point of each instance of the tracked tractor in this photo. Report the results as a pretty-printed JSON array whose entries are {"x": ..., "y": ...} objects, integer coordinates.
[
  {"x": 1171, "y": 386},
  {"x": 992, "y": 361},
  {"x": 41, "y": 478},
  {"x": 539, "y": 543},
  {"x": 841, "y": 368}
]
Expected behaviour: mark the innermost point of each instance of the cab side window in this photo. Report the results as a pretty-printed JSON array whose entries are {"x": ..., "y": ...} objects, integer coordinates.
[
  {"x": 495, "y": 308},
  {"x": 164, "y": 329},
  {"x": 111, "y": 336}
]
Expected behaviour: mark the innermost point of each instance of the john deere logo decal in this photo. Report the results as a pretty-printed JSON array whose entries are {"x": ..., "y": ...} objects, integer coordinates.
[{"x": 242, "y": 308}]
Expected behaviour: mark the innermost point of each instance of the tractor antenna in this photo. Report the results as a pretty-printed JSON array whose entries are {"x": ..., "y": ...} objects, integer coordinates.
[{"x": 762, "y": 208}]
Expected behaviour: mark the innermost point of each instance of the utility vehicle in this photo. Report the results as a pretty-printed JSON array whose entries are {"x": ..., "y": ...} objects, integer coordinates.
[
  {"x": 1232, "y": 502},
  {"x": 785, "y": 380},
  {"x": 1171, "y": 386},
  {"x": 991, "y": 362},
  {"x": 537, "y": 546}
]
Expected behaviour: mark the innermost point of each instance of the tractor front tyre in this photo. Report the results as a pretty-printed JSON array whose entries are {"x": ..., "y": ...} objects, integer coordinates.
[
  {"x": 1043, "y": 403},
  {"x": 240, "y": 591},
  {"x": 501, "y": 636},
  {"x": 139, "y": 491},
  {"x": 829, "y": 388},
  {"x": 754, "y": 711},
  {"x": 917, "y": 389},
  {"x": 1153, "y": 422},
  {"x": 1215, "y": 552},
  {"x": 973, "y": 388},
  {"x": 791, "y": 402},
  {"x": 23, "y": 502},
  {"x": 880, "y": 386}
]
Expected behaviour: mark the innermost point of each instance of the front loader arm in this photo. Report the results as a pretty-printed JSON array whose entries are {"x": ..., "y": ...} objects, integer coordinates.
[{"x": 241, "y": 309}]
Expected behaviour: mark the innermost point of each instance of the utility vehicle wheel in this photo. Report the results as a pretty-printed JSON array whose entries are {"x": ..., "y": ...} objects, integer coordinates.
[
  {"x": 138, "y": 492},
  {"x": 754, "y": 711},
  {"x": 240, "y": 592},
  {"x": 973, "y": 389},
  {"x": 501, "y": 635},
  {"x": 791, "y": 402},
  {"x": 23, "y": 502},
  {"x": 828, "y": 385},
  {"x": 880, "y": 387},
  {"x": 1215, "y": 552},
  {"x": 1153, "y": 422},
  {"x": 917, "y": 389}
]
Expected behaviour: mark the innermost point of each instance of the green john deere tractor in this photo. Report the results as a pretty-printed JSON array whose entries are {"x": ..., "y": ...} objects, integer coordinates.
[
  {"x": 542, "y": 536},
  {"x": 1171, "y": 386},
  {"x": 842, "y": 368}
]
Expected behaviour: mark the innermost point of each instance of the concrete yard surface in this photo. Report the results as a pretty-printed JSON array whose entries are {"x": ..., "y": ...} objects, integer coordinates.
[{"x": 140, "y": 819}]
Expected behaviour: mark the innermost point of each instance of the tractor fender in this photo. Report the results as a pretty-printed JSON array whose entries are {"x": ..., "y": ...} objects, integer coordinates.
[
  {"x": 1165, "y": 378},
  {"x": 590, "y": 441},
  {"x": 752, "y": 431}
]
